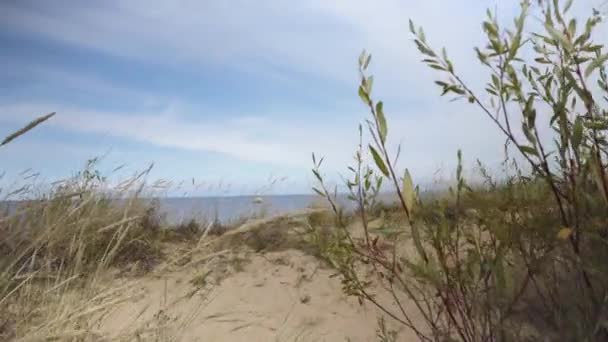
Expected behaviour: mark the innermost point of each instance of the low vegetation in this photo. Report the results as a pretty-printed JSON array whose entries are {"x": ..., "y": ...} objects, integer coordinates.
[
  {"x": 60, "y": 247},
  {"x": 520, "y": 256}
]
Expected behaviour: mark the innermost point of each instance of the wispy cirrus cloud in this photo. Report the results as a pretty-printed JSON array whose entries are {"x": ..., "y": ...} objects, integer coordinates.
[
  {"x": 261, "y": 82},
  {"x": 280, "y": 142}
]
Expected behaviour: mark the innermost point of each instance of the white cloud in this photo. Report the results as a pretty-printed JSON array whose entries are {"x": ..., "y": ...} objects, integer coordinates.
[
  {"x": 280, "y": 40},
  {"x": 272, "y": 37},
  {"x": 276, "y": 38},
  {"x": 253, "y": 139},
  {"x": 427, "y": 138},
  {"x": 43, "y": 76}
]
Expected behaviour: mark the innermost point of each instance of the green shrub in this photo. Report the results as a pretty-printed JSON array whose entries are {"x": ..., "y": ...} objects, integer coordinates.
[{"x": 516, "y": 258}]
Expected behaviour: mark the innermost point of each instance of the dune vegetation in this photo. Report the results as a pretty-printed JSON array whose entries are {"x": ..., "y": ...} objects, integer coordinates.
[
  {"x": 519, "y": 256},
  {"x": 516, "y": 256}
]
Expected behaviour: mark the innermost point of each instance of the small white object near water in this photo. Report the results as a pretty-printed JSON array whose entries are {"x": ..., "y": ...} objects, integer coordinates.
[{"x": 258, "y": 200}]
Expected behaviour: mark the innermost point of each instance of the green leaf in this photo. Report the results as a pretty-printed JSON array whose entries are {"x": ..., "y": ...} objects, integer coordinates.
[
  {"x": 528, "y": 133},
  {"x": 515, "y": 44},
  {"x": 577, "y": 135},
  {"x": 370, "y": 83},
  {"x": 407, "y": 191},
  {"x": 424, "y": 50},
  {"x": 528, "y": 108},
  {"x": 450, "y": 66},
  {"x": 582, "y": 39},
  {"x": 421, "y": 35},
  {"x": 378, "y": 160},
  {"x": 532, "y": 118},
  {"x": 490, "y": 29},
  {"x": 367, "y": 60},
  {"x": 382, "y": 127},
  {"x": 572, "y": 28},
  {"x": 457, "y": 90},
  {"x": 362, "y": 58},
  {"x": 542, "y": 60},
  {"x": 528, "y": 150},
  {"x": 364, "y": 96},
  {"x": 412, "y": 28},
  {"x": 593, "y": 48},
  {"x": 599, "y": 125},
  {"x": 483, "y": 58},
  {"x": 558, "y": 15},
  {"x": 548, "y": 20},
  {"x": 558, "y": 36},
  {"x": 598, "y": 62},
  {"x": 567, "y": 6},
  {"x": 418, "y": 243},
  {"x": 437, "y": 67},
  {"x": 495, "y": 82}
]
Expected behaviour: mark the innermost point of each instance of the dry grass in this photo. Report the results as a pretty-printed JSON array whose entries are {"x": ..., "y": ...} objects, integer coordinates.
[
  {"x": 71, "y": 255},
  {"x": 58, "y": 249}
]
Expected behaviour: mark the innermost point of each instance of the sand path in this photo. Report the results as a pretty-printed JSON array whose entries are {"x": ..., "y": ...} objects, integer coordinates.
[{"x": 243, "y": 295}]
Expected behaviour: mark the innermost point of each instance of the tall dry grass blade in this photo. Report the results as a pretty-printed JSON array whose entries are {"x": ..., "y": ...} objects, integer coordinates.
[
  {"x": 26, "y": 128},
  {"x": 25, "y": 281}
]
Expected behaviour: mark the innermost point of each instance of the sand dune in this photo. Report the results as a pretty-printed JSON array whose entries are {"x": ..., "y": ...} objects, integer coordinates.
[{"x": 244, "y": 295}]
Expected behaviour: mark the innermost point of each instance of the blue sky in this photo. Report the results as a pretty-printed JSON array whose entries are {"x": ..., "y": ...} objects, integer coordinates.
[{"x": 233, "y": 92}]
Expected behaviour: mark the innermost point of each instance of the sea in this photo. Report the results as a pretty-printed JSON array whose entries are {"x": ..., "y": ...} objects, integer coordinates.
[{"x": 228, "y": 209}]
